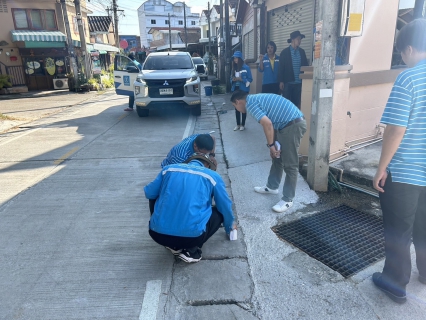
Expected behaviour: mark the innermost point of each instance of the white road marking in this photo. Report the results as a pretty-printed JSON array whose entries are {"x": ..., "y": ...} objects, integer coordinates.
[
  {"x": 191, "y": 119},
  {"x": 20, "y": 136},
  {"x": 151, "y": 299}
]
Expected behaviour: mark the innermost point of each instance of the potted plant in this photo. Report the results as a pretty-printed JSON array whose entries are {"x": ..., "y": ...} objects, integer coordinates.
[
  {"x": 5, "y": 81},
  {"x": 94, "y": 84}
]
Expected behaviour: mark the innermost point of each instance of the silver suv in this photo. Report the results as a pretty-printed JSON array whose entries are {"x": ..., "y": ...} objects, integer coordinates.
[{"x": 167, "y": 78}]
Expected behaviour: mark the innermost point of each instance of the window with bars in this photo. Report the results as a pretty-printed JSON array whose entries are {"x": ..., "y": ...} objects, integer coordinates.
[
  {"x": 34, "y": 19},
  {"x": 180, "y": 22},
  {"x": 192, "y": 23},
  {"x": 153, "y": 22},
  {"x": 167, "y": 22}
]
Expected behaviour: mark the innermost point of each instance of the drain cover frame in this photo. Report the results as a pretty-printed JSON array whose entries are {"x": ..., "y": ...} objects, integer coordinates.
[{"x": 343, "y": 238}]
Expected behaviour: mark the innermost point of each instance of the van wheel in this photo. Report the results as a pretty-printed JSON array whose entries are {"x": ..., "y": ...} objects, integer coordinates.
[
  {"x": 142, "y": 112},
  {"x": 196, "y": 111},
  {"x": 131, "y": 101}
]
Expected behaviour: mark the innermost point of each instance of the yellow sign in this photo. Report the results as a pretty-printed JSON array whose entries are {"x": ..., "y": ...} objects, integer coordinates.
[{"x": 355, "y": 22}]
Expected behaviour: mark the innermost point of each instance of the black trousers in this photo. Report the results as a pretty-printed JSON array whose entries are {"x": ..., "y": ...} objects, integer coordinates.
[
  {"x": 293, "y": 92},
  {"x": 177, "y": 243},
  {"x": 238, "y": 118},
  {"x": 404, "y": 216},
  {"x": 271, "y": 88}
]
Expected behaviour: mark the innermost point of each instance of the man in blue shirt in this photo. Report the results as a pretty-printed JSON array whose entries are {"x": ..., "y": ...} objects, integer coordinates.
[
  {"x": 182, "y": 216},
  {"x": 204, "y": 143},
  {"x": 292, "y": 59},
  {"x": 401, "y": 174},
  {"x": 282, "y": 121}
]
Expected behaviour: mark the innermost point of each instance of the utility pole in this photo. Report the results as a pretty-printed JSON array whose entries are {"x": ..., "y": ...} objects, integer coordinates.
[
  {"x": 82, "y": 39},
  {"x": 222, "y": 47},
  {"x": 170, "y": 33},
  {"x": 227, "y": 39},
  {"x": 322, "y": 98},
  {"x": 69, "y": 42},
  {"x": 418, "y": 9},
  {"x": 210, "y": 40},
  {"x": 184, "y": 26},
  {"x": 114, "y": 8}
]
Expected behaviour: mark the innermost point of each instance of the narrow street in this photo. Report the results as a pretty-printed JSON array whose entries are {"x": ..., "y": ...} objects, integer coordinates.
[{"x": 74, "y": 227}]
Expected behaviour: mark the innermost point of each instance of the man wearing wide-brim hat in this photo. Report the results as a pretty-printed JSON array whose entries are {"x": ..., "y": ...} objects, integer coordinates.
[{"x": 292, "y": 59}]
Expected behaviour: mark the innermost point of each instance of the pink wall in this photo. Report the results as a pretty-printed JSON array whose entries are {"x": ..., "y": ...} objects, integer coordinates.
[{"x": 373, "y": 50}]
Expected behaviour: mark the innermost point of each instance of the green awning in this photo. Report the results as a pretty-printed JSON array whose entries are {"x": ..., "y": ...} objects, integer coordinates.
[
  {"x": 44, "y": 44},
  {"x": 76, "y": 43},
  {"x": 42, "y": 36},
  {"x": 102, "y": 52},
  {"x": 104, "y": 47}
]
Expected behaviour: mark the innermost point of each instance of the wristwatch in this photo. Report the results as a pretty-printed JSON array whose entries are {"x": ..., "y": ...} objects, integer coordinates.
[{"x": 270, "y": 145}]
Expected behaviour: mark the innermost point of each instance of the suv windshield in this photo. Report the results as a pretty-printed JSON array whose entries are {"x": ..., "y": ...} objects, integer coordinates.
[
  {"x": 198, "y": 60},
  {"x": 166, "y": 62}
]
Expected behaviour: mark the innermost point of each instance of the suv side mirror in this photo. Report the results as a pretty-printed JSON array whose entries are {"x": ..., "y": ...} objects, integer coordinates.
[{"x": 132, "y": 69}]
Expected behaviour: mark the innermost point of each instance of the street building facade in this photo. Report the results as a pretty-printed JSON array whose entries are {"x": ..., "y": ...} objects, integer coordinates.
[
  {"x": 34, "y": 49},
  {"x": 364, "y": 71},
  {"x": 162, "y": 14}
]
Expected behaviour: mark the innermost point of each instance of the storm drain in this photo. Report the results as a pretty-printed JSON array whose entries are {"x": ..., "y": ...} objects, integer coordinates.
[{"x": 344, "y": 239}]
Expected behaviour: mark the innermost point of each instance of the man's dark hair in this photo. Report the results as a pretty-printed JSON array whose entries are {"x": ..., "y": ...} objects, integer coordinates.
[
  {"x": 131, "y": 56},
  {"x": 239, "y": 95},
  {"x": 204, "y": 141},
  {"x": 413, "y": 34},
  {"x": 272, "y": 44}
]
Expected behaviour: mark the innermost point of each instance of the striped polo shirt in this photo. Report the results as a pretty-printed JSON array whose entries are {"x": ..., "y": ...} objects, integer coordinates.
[
  {"x": 406, "y": 107},
  {"x": 278, "y": 109},
  {"x": 180, "y": 152},
  {"x": 297, "y": 62}
]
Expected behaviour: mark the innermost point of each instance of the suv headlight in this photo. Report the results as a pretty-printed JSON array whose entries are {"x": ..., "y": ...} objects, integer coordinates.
[
  {"x": 137, "y": 90},
  {"x": 140, "y": 80},
  {"x": 193, "y": 78}
]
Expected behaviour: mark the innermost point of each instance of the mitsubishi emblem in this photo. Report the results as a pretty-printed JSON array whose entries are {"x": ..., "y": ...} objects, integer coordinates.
[{"x": 165, "y": 83}]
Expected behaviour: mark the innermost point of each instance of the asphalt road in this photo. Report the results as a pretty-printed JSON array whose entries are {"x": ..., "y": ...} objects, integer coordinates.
[{"x": 73, "y": 218}]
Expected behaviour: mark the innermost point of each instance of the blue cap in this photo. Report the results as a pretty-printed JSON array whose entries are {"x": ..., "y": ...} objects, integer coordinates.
[{"x": 238, "y": 54}]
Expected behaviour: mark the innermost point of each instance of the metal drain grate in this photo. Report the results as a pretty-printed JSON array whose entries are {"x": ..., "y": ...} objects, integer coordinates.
[{"x": 344, "y": 239}]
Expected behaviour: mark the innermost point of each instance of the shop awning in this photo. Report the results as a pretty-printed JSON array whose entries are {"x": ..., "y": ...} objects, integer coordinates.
[
  {"x": 102, "y": 52},
  {"x": 105, "y": 47},
  {"x": 76, "y": 43},
  {"x": 42, "y": 36}
]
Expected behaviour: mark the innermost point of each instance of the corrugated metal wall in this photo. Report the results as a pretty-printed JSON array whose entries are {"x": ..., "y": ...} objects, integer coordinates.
[{"x": 296, "y": 16}]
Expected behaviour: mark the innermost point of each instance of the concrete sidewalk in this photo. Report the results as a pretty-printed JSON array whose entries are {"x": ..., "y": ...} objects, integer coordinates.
[
  {"x": 24, "y": 108},
  {"x": 288, "y": 284}
]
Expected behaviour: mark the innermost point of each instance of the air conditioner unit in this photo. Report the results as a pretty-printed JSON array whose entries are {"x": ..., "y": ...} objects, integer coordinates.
[{"x": 60, "y": 83}]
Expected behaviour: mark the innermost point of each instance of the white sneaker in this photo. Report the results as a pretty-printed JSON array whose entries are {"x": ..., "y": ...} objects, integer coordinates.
[
  {"x": 282, "y": 206},
  {"x": 265, "y": 189},
  {"x": 237, "y": 128},
  {"x": 242, "y": 128}
]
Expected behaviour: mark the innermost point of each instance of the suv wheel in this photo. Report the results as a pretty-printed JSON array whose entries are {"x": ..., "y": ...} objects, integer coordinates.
[
  {"x": 196, "y": 111},
  {"x": 142, "y": 112}
]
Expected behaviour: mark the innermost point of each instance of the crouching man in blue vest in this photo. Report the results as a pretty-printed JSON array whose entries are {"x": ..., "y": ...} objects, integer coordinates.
[{"x": 182, "y": 216}]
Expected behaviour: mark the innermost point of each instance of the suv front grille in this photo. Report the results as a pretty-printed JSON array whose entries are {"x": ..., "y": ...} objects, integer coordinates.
[{"x": 177, "y": 85}]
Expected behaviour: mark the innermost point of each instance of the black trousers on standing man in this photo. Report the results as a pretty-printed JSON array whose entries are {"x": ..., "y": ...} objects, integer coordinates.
[{"x": 404, "y": 216}]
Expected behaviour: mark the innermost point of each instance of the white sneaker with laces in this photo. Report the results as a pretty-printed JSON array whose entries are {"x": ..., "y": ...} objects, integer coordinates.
[
  {"x": 265, "y": 189},
  {"x": 237, "y": 128},
  {"x": 282, "y": 206},
  {"x": 242, "y": 128}
]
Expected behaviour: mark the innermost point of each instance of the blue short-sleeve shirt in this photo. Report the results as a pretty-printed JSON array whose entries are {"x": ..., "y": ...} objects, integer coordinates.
[{"x": 406, "y": 107}]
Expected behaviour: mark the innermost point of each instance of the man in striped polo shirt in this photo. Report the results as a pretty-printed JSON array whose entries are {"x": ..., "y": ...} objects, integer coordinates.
[
  {"x": 401, "y": 175},
  {"x": 282, "y": 121},
  {"x": 204, "y": 143}
]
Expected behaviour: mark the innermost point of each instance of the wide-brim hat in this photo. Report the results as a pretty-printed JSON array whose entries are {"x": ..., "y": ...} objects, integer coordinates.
[
  {"x": 202, "y": 156},
  {"x": 294, "y": 35},
  {"x": 238, "y": 54}
]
